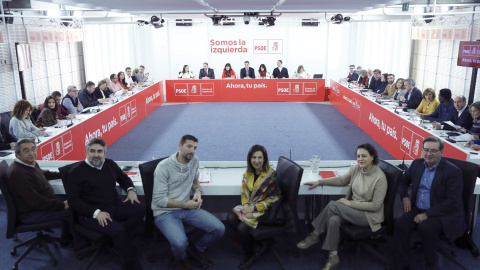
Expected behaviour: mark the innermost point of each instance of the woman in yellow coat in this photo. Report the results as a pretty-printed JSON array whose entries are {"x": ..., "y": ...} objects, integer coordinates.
[{"x": 429, "y": 102}]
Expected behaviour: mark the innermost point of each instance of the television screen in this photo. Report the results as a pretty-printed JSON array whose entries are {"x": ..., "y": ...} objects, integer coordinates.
[{"x": 469, "y": 54}]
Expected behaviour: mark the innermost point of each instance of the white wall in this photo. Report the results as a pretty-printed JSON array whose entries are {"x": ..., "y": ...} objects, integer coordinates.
[{"x": 326, "y": 49}]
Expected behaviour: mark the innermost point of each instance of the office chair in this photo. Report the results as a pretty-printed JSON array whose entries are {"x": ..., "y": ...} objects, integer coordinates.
[
  {"x": 289, "y": 177},
  {"x": 98, "y": 240},
  {"x": 469, "y": 175},
  {"x": 147, "y": 170},
  {"x": 15, "y": 227},
  {"x": 362, "y": 236}
]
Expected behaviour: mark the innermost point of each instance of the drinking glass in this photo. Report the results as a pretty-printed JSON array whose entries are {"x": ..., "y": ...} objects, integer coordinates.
[{"x": 314, "y": 160}]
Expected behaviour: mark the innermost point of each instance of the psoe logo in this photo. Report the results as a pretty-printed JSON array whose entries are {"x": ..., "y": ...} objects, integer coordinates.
[
  {"x": 296, "y": 89},
  {"x": 268, "y": 46},
  {"x": 356, "y": 104},
  {"x": 180, "y": 91},
  {"x": 335, "y": 90},
  {"x": 57, "y": 149}
]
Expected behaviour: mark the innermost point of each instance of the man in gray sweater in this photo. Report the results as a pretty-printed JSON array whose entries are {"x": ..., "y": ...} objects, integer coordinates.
[{"x": 174, "y": 178}]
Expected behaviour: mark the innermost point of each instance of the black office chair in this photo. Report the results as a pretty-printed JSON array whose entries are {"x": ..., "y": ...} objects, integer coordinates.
[
  {"x": 147, "y": 170},
  {"x": 469, "y": 174},
  {"x": 363, "y": 236},
  {"x": 289, "y": 176},
  {"x": 14, "y": 226},
  {"x": 98, "y": 240}
]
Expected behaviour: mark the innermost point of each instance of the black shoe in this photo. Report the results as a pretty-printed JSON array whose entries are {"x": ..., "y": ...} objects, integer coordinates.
[
  {"x": 246, "y": 258},
  {"x": 199, "y": 256}
]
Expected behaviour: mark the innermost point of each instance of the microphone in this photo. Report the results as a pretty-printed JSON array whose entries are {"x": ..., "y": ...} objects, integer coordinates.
[
  {"x": 38, "y": 139},
  {"x": 290, "y": 154},
  {"x": 403, "y": 166},
  {"x": 395, "y": 111}
]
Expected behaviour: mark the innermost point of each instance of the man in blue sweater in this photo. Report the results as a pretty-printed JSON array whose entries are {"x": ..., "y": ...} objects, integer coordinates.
[
  {"x": 174, "y": 179},
  {"x": 444, "y": 110}
]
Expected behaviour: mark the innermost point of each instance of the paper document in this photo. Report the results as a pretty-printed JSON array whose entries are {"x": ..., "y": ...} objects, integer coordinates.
[
  {"x": 204, "y": 177},
  {"x": 461, "y": 138},
  {"x": 452, "y": 124}
]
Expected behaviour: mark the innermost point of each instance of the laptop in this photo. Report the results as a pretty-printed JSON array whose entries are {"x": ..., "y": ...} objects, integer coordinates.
[{"x": 317, "y": 76}]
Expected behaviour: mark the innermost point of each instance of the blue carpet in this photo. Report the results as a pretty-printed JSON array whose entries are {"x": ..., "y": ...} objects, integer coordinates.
[{"x": 227, "y": 130}]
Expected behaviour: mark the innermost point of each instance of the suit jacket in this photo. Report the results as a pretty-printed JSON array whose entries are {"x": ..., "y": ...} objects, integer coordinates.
[
  {"x": 251, "y": 73},
  {"x": 465, "y": 120},
  {"x": 445, "y": 194},
  {"x": 6, "y": 138},
  {"x": 278, "y": 74},
  {"x": 389, "y": 90},
  {"x": 415, "y": 98},
  {"x": 374, "y": 84},
  {"x": 352, "y": 77},
  {"x": 87, "y": 99},
  {"x": 210, "y": 74}
]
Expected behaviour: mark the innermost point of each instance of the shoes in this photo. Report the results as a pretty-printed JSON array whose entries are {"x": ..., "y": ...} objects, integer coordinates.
[
  {"x": 184, "y": 265},
  {"x": 332, "y": 262},
  {"x": 311, "y": 240},
  {"x": 246, "y": 258},
  {"x": 200, "y": 257}
]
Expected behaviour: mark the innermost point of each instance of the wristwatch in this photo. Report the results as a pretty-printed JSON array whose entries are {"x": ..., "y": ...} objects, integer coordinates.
[{"x": 198, "y": 189}]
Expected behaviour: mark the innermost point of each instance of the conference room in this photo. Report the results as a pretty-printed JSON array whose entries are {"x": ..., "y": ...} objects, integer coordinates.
[{"x": 285, "y": 86}]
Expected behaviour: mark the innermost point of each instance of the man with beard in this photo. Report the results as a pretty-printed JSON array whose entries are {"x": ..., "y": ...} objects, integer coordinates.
[
  {"x": 174, "y": 178},
  {"x": 91, "y": 192}
]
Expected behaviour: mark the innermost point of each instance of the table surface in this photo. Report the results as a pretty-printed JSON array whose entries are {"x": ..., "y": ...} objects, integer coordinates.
[{"x": 226, "y": 176}]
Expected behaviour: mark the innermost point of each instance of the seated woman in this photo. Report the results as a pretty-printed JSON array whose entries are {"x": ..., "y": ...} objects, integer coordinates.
[
  {"x": 301, "y": 73},
  {"x": 20, "y": 124},
  {"x": 475, "y": 112},
  {"x": 383, "y": 84},
  {"x": 228, "y": 72},
  {"x": 48, "y": 116},
  {"x": 400, "y": 90},
  {"x": 363, "y": 79},
  {"x": 7, "y": 141},
  {"x": 362, "y": 206},
  {"x": 186, "y": 73},
  {"x": 121, "y": 80},
  {"x": 260, "y": 191},
  {"x": 262, "y": 72},
  {"x": 134, "y": 76},
  {"x": 429, "y": 102},
  {"x": 102, "y": 91}
]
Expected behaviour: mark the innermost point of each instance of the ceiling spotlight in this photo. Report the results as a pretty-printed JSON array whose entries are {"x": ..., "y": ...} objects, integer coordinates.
[
  {"x": 216, "y": 20},
  {"x": 338, "y": 19},
  {"x": 269, "y": 21},
  {"x": 154, "y": 19},
  {"x": 157, "y": 22}
]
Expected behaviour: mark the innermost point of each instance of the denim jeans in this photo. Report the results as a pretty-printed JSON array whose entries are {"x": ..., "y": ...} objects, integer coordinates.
[{"x": 171, "y": 225}]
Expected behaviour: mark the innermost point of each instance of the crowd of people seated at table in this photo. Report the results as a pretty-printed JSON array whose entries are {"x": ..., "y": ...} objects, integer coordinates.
[{"x": 246, "y": 72}]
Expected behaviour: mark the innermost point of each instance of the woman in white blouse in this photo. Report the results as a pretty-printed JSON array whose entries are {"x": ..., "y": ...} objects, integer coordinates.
[
  {"x": 301, "y": 73},
  {"x": 20, "y": 124},
  {"x": 186, "y": 73}
]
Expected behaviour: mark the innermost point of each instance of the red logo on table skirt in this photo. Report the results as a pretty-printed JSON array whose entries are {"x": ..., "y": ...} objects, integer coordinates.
[
  {"x": 133, "y": 108},
  {"x": 206, "y": 89},
  {"x": 193, "y": 89},
  {"x": 416, "y": 146},
  {"x": 283, "y": 88},
  {"x": 180, "y": 89},
  {"x": 335, "y": 89},
  {"x": 57, "y": 148},
  {"x": 123, "y": 115},
  {"x": 356, "y": 104},
  {"x": 406, "y": 143},
  {"x": 297, "y": 88},
  {"x": 67, "y": 143},
  {"x": 310, "y": 88},
  {"x": 46, "y": 151}
]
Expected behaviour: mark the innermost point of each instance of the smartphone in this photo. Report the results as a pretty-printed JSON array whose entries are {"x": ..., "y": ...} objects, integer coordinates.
[{"x": 126, "y": 168}]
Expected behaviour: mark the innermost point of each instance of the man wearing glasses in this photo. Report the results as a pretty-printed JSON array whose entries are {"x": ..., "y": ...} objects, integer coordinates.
[
  {"x": 71, "y": 102},
  {"x": 435, "y": 206}
]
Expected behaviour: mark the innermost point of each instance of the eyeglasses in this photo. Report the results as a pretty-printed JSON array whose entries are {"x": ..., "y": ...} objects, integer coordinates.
[{"x": 431, "y": 151}]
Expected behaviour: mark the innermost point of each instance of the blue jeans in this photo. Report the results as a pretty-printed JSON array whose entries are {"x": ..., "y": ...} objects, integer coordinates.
[{"x": 171, "y": 225}]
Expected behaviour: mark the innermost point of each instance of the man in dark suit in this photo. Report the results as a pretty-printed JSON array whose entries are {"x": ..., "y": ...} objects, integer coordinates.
[
  {"x": 91, "y": 192},
  {"x": 376, "y": 80},
  {"x": 206, "y": 72},
  {"x": 435, "y": 206},
  {"x": 280, "y": 72},
  {"x": 413, "y": 97},
  {"x": 247, "y": 72},
  {"x": 352, "y": 75},
  {"x": 460, "y": 117}
]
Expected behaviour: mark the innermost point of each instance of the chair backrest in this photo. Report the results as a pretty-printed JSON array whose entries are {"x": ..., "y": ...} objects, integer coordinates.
[
  {"x": 6, "y": 119},
  {"x": 9, "y": 201},
  {"x": 469, "y": 176},
  {"x": 289, "y": 176},
  {"x": 146, "y": 172},
  {"x": 64, "y": 175},
  {"x": 394, "y": 175}
]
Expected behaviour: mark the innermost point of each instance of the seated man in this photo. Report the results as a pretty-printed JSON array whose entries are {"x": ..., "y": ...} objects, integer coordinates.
[
  {"x": 91, "y": 191},
  {"x": 413, "y": 97},
  {"x": 444, "y": 110},
  {"x": 141, "y": 76},
  {"x": 376, "y": 80},
  {"x": 390, "y": 89},
  {"x": 174, "y": 178},
  {"x": 461, "y": 117},
  {"x": 206, "y": 72},
  {"x": 70, "y": 101},
  {"x": 7, "y": 140},
  {"x": 62, "y": 112},
  {"x": 87, "y": 98},
  {"x": 435, "y": 206},
  {"x": 280, "y": 72},
  {"x": 352, "y": 75},
  {"x": 247, "y": 72},
  {"x": 33, "y": 195}
]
